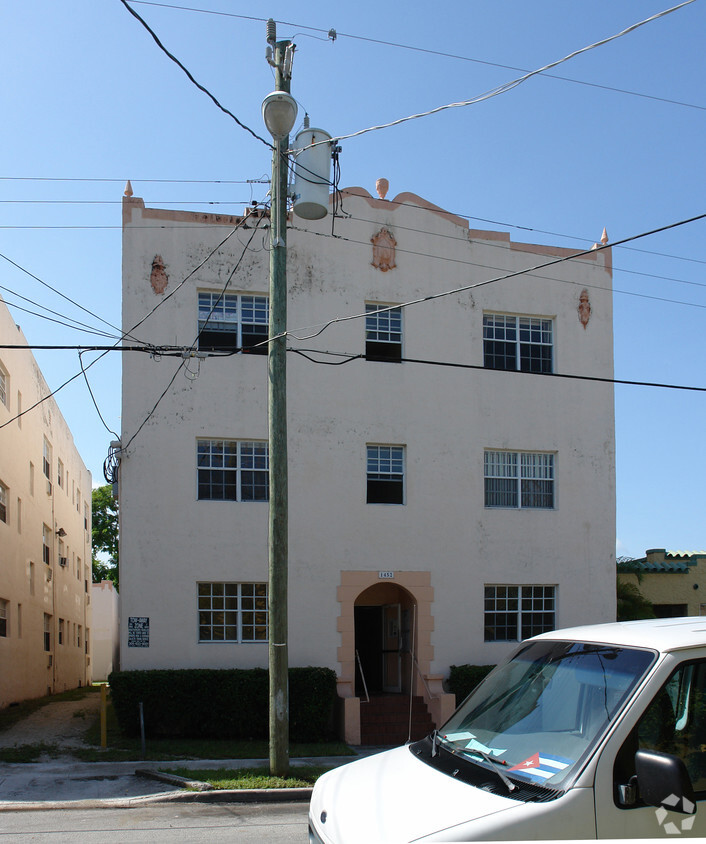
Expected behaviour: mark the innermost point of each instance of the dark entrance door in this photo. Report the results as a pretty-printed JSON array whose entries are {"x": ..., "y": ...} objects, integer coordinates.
[{"x": 368, "y": 644}]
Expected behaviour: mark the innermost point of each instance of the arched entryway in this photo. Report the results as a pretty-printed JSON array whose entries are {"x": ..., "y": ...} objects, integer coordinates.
[
  {"x": 384, "y": 617},
  {"x": 387, "y": 618}
]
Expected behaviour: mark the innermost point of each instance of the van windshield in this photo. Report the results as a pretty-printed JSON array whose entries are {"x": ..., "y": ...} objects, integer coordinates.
[{"x": 537, "y": 716}]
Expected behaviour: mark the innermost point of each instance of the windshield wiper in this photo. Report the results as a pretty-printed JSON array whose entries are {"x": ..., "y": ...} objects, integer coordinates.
[
  {"x": 509, "y": 784},
  {"x": 436, "y": 740}
]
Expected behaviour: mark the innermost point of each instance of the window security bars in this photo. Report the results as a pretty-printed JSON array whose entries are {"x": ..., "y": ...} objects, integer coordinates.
[{"x": 519, "y": 480}]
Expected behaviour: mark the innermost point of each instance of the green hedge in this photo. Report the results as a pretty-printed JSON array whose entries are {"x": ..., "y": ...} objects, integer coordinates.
[
  {"x": 464, "y": 678},
  {"x": 229, "y": 703}
]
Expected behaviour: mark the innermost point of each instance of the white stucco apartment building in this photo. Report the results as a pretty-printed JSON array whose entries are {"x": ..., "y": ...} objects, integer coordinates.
[
  {"x": 443, "y": 501},
  {"x": 45, "y": 534}
]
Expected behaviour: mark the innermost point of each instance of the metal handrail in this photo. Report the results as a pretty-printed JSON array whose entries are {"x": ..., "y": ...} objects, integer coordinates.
[
  {"x": 362, "y": 676},
  {"x": 426, "y": 685}
]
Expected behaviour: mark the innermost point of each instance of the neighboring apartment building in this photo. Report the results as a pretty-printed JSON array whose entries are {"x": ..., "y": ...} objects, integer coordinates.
[
  {"x": 45, "y": 535},
  {"x": 449, "y": 495},
  {"x": 674, "y": 582}
]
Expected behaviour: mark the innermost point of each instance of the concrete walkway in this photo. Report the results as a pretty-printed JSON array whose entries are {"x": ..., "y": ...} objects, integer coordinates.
[
  {"x": 65, "y": 782},
  {"x": 62, "y": 723}
]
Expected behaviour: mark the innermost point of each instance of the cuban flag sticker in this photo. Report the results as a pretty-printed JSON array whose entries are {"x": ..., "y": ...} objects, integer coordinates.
[{"x": 541, "y": 766}]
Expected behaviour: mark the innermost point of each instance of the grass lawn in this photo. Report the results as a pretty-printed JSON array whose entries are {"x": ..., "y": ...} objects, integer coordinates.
[{"x": 227, "y": 778}]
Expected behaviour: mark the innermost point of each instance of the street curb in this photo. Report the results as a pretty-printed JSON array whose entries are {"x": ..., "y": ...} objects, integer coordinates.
[
  {"x": 241, "y": 795},
  {"x": 173, "y": 779}
]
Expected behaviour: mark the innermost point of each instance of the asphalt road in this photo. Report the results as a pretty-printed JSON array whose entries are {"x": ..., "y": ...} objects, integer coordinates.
[{"x": 273, "y": 823}]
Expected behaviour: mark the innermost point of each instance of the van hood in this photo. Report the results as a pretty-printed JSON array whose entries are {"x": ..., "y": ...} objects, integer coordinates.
[{"x": 394, "y": 797}]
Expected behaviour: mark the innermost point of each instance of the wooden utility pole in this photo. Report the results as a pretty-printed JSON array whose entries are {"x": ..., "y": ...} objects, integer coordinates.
[{"x": 277, "y": 420}]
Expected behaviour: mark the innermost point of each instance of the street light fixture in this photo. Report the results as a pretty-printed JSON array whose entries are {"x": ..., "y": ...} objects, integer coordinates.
[{"x": 279, "y": 111}]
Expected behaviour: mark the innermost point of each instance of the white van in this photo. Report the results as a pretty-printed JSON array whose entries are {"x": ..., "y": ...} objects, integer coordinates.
[{"x": 589, "y": 732}]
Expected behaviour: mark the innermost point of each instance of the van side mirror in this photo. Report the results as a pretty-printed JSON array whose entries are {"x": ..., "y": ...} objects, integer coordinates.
[{"x": 664, "y": 781}]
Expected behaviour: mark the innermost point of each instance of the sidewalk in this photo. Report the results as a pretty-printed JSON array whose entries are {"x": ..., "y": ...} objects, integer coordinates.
[{"x": 68, "y": 784}]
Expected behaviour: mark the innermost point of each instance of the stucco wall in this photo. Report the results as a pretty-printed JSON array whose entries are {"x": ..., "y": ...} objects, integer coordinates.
[{"x": 444, "y": 416}]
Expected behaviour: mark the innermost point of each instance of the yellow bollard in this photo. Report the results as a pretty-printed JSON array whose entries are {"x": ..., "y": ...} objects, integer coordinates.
[{"x": 104, "y": 715}]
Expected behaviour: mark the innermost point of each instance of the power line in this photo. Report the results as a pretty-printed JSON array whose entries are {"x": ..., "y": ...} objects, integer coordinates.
[
  {"x": 86, "y": 330},
  {"x": 115, "y": 346},
  {"x": 349, "y": 358},
  {"x": 58, "y": 293},
  {"x": 504, "y": 277},
  {"x": 428, "y": 51},
  {"x": 191, "y": 78},
  {"x": 517, "y": 247},
  {"x": 263, "y": 181},
  {"x": 93, "y": 398},
  {"x": 185, "y": 356},
  {"x": 508, "y": 86}
]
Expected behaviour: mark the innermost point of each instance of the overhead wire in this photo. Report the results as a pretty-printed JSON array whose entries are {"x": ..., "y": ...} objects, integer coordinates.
[
  {"x": 192, "y": 348},
  {"x": 440, "y": 53},
  {"x": 349, "y": 358},
  {"x": 58, "y": 293},
  {"x": 518, "y": 247},
  {"x": 508, "y": 86},
  {"x": 468, "y": 287},
  {"x": 190, "y": 75},
  {"x": 124, "y": 335},
  {"x": 63, "y": 321}
]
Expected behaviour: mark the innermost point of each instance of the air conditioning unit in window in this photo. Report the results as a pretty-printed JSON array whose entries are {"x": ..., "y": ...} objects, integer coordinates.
[{"x": 63, "y": 561}]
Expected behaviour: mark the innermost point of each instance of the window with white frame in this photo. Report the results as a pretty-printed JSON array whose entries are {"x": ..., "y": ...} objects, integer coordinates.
[
  {"x": 47, "y": 632},
  {"x": 46, "y": 460},
  {"x": 61, "y": 631},
  {"x": 60, "y": 477},
  {"x": 46, "y": 544},
  {"x": 232, "y": 612},
  {"x": 514, "y": 613},
  {"x": 4, "y": 387},
  {"x": 233, "y": 470},
  {"x": 521, "y": 343},
  {"x": 4, "y": 515},
  {"x": 4, "y": 624},
  {"x": 229, "y": 321},
  {"x": 523, "y": 480},
  {"x": 383, "y": 332},
  {"x": 385, "y": 474}
]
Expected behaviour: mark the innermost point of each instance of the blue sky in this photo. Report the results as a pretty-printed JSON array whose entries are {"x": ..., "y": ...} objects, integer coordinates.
[{"x": 87, "y": 97}]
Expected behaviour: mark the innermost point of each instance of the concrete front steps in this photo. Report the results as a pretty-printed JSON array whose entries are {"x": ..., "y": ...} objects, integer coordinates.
[{"x": 385, "y": 720}]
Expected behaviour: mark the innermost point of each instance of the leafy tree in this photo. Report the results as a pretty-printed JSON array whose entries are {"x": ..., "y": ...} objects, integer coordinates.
[{"x": 105, "y": 535}]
